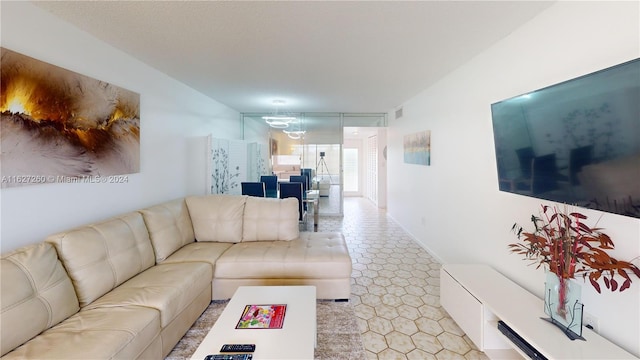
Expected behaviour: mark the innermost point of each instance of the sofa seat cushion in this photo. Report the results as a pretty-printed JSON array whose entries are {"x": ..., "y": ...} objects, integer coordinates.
[
  {"x": 114, "y": 333},
  {"x": 270, "y": 219},
  {"x": 217, "y": 217},
  {"x": 36, "y": 294},
  {"x": 169, "y": 226},
  {"x": 169, "y": 288},
  {"x": 101, "y": 256},
  {"x": 313, "y": 255},
  {"x": 207, "y": 252}
]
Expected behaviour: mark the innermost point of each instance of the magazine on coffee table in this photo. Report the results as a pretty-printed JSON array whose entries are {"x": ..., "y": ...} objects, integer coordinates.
[{"x": 262, "y": 317}]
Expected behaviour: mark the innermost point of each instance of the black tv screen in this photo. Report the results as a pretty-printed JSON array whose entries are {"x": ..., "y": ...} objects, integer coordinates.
[{"x": 577, "y": 142}]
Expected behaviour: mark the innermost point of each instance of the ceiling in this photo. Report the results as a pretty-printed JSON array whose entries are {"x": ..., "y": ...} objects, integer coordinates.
[{"x": 318, "y": 56}]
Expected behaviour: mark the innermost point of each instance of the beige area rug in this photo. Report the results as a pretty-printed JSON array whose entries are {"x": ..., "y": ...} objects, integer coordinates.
[{"x": 338, "y": 333}]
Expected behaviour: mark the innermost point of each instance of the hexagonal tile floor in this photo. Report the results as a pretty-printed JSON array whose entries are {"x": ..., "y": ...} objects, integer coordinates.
[{"x": 395, "y": 289}]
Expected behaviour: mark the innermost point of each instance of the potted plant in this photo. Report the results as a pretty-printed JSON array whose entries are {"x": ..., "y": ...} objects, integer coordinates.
[{"x": 565, "y": 245}]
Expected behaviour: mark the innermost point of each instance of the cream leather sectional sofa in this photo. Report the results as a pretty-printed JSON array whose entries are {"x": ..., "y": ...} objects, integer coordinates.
[{"x": 131, "y": 286}]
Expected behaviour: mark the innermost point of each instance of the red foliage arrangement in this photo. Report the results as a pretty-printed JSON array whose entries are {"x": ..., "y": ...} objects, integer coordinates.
[{"x": 570, "y": 248}]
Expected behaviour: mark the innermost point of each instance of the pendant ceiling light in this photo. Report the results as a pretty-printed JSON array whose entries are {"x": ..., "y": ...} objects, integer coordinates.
[
  {"x": 279, "y": 120},
  {"x": 295, "y": 131},
  {"x": 295, "y": 134}
]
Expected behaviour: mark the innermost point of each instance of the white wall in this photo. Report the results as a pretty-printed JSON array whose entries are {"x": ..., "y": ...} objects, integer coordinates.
[
  {"x": 382, "y": 168},
  {"x": 175, "y": 121},
  {"x": 466, "y": 219}
]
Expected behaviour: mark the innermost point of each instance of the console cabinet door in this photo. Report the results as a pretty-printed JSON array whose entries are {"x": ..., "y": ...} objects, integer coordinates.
[{"x": 465, "y": 309}]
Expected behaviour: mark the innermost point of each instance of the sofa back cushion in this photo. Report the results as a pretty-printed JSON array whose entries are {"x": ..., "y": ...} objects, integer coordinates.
[
  {"x": 101, "y": 256},
  {"x": 270, "y": 219},
  {"x": 36, "y": 294},
  {"x": 169, "y": 226},
  {"x": 217, "y": 217}
]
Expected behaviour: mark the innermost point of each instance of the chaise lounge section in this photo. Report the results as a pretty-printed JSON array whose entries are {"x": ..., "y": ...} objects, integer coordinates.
[{"x": 131, "y": 286}]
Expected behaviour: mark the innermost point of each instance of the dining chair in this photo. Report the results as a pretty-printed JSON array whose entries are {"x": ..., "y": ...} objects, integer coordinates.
[
  {"x": 253, "y": 189},
  {"x": 270, "y": 185},
  {"x": 294, "y": 189},
  {"x": 301, "y": 179},
  {"x": 309, "y": 174}
]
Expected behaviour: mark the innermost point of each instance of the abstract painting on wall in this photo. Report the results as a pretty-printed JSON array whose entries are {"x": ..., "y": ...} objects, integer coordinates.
[
  {"x": 417, "y": 148},
  {"x": 60, "y": 126}
]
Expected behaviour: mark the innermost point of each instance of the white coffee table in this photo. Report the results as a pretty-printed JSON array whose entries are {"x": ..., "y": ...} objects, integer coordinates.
[{"x": 296, "y": 339}]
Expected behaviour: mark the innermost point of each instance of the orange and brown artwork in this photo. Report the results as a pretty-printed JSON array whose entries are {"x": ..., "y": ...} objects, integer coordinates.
[{"x": 60, "y": 126}]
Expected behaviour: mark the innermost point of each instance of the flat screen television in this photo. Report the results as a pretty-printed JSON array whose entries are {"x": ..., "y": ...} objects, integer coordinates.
[{"x": 577, "y": 142}]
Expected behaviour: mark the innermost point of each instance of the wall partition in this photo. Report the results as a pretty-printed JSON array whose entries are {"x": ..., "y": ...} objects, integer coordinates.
[
  {"x": 322, "y": 152},
  {"x": 230, "y": 162},
  {"x": 312, "y": 141}
]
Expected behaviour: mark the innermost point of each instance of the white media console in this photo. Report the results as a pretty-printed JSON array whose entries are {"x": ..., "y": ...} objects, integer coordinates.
[{"x": 477, "y": 297}]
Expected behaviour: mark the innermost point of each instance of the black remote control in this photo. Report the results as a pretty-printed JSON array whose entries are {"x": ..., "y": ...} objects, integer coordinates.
[
  {"x": 238, "y": 348},
  {"x": 229, "y": 357}
]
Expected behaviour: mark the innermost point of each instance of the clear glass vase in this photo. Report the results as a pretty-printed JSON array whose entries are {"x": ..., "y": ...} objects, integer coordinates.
[{"x": 562, "y": 303}]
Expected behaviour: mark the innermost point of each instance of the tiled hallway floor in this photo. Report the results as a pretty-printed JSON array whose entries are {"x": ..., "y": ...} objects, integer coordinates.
[{"x": 395, "y": 289}]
